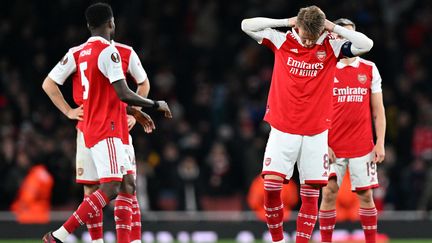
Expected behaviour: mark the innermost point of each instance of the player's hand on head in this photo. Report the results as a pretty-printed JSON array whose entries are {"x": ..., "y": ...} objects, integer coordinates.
[
  {"x": 76, "y": 113},
  {"x": 328, "y": 25},
  {"x": 163, "y": 106},
  {"x": 131, "y": 121},
  {"x": 379, "y": 153},
  {"x": 292, "y": 21},
  {"x": 332, "y": 155}
]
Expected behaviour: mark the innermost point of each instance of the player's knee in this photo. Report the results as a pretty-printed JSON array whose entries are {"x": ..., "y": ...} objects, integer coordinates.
[
  {"x": 273, "y": 177},
  {"x": 329, "y": 194},
  {"x": 111, "y": 189},
  {"x": 89, "y": 189},
  {"x": 128, "y": 184},
  {"x": 365, "y": 196}
]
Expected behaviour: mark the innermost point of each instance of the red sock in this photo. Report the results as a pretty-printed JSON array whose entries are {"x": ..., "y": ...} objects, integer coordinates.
[
  {"x": 136, "y": 220},
  {"x": 308, "y": 213},
  {"x": 95, "y": 225},
  {"x": 368, "y": 219},
  {"x": 123, "y": 217},
  {"x": 327, "y": 221},
  {"x": 91, "y": 205},
  {"x": 274, "y": 208}
]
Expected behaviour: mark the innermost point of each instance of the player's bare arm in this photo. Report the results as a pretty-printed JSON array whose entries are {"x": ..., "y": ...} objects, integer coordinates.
[
  {"x": 128, "y": 96},
  {"x": 379, "y": 120},
  {"x": 56, "y": 96},
  {"x": 143, "y": 118}
]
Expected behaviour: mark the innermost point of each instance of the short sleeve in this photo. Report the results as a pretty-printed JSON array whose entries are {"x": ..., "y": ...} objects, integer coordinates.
[
  {"x": 271, "y": 38},
  {"x": 64, "y": 68},
  {"x": 109, "y": 63},
  {"x": 135, "y": 68},
  {"x": 376, "y": 80}
]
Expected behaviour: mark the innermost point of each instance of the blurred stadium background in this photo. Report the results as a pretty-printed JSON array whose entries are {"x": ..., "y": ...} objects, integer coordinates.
[{"x": 195, "y": 171}]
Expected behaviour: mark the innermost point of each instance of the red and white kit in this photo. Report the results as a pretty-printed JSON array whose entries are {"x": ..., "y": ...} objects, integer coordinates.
[
  {"x": 299, "y": 105},
  {"x": 351, "y": 135},
  {"x": 85, "y": 168}
]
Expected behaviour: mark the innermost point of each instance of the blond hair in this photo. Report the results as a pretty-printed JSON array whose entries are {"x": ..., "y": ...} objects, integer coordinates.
[{"x": 311, "y": 19}]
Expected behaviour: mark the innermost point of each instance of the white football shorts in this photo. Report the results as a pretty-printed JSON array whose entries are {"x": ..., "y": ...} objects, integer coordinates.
[
  {"x": 310, "y": 152},
  {"x": 363, "y": 172}
]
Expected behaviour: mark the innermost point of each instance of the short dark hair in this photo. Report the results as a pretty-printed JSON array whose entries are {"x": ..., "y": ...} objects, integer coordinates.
[
  {"x": 98, "y": 14},
  {"x": 344, "y": 22},
  {"x": 311, "y": 19}
]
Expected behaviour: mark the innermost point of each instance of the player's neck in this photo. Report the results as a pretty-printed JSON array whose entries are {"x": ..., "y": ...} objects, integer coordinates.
[
  {"x": 348, "y": 61},
  {"x": 102, "y": 34}
]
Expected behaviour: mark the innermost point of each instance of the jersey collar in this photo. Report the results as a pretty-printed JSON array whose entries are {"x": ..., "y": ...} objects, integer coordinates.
[
  {"x": 319, "y": 41},
  {"x": 98, "y": 38},
  {"x": 355, "y": 64}
]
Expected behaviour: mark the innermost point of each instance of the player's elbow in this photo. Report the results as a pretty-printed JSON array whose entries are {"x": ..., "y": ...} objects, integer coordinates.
[
  {"x": 245, "y": 25},
  {"x": 47, "y": 84},
  {"x": 368, "y": 44}
]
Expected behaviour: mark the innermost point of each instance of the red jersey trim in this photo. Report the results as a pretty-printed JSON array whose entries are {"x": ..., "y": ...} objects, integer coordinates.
[
  {"x": 109, "y": 179},
  {"x": 275, "y": 173},
  {"x": 296, "y": 131},
  {"x": 130, "y": 172},
  {"x": 364, "y": 188},
  {"x": 350, "y": 155},
  {"x": 87, "y": 182}
]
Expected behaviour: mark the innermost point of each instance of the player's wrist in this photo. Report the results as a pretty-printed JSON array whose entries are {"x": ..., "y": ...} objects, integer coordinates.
[{"x": 156, "y": 104}]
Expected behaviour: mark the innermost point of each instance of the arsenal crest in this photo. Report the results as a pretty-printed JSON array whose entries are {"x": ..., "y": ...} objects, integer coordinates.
[
  {"x": 362, "y": 78},
  {"x": 321, "y": 55},
  {"x": 80, "y": 171},
  {"x": 267, "y": 161}
]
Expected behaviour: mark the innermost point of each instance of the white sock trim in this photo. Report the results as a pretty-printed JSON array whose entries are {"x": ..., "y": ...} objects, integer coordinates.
[
  {"x": 98, "y": 241},
  {"x": 61, "y": 234}
]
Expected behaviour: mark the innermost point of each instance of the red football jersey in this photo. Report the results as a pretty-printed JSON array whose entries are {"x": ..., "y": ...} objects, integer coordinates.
[
  {"x": 68, "y": 66},
  {"x": 99, "y": 65},
  {"x": 351, "y": 133},
  {"x": 300, "y": 101}
]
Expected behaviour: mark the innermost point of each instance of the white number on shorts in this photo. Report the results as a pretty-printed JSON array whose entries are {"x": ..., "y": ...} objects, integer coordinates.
[
  {"x": 371, "y": 168},
  {"x": 84, "y": 80}
]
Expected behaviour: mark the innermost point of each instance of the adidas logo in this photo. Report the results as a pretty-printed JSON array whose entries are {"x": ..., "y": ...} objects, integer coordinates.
[
  {"x": 336, "y": 80},
  {"x": 325, "y": 174},
  {"x": 294, "y": 50}
]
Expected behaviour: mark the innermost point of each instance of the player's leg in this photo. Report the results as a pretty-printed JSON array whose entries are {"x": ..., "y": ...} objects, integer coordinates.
[
  {"x": 135, "y": 235},
  {"x": 86, "y": 174},
  {"x": 327, "y": 212},
  {"x": 363, "y": 179},
  {"x": 313, "y": 166},
  {"x": 279, "y": 159},
  {"x": 108, "y": 156},
  {"x": 123, "y": 212}
]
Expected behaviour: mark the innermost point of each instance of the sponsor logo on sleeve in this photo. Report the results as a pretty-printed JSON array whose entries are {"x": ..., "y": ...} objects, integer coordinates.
[
  {"x": 64, "y": 60},
  {"x": 115, "y": 57}
]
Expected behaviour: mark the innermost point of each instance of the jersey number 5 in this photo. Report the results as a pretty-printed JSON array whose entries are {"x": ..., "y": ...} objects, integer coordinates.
[{"x": 84, "y": 80}]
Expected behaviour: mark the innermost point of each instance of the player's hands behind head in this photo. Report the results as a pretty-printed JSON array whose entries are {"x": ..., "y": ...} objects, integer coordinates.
[
  {"x": 328, "y": 25},
  {"x": 163, "y": 106},
  {"x": 143, "y": 119},
  {"x": 76, "y": 114},
  {"x": 292, "y": 21}
]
